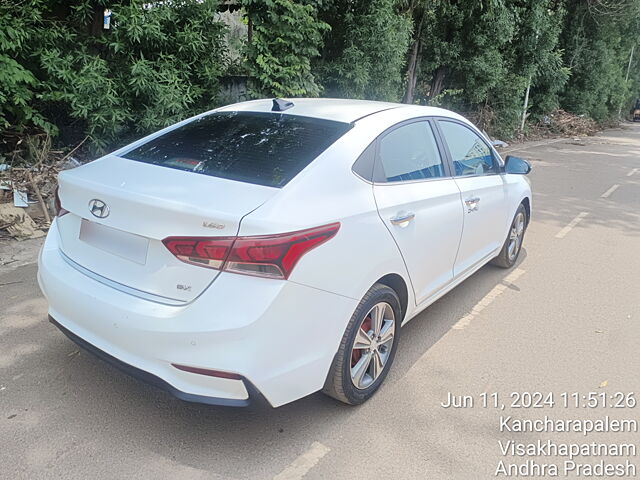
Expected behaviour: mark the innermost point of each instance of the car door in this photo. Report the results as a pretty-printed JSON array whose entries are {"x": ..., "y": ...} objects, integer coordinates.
[
  {"x": 483, "y": 194},
  {"x": 419, "y": 203}
]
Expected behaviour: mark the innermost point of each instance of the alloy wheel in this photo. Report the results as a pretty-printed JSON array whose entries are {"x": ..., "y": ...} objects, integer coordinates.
[
  {"x": 515, "y": 236},
  {"x": 372, "y": 345}
]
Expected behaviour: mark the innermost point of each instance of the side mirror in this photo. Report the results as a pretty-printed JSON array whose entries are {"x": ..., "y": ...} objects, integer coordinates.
[{"x": 516, "y": 165}]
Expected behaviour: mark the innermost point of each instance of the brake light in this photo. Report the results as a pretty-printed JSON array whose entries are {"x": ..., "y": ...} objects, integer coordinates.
[
  {"x": 272, "y": 256},
  {"x": 57, "y": 205},
  {"x": 204, "y": 252}
]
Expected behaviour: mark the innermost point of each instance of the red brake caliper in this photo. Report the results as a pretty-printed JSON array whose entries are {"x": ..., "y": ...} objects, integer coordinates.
[{"x": 357, "y": 353}]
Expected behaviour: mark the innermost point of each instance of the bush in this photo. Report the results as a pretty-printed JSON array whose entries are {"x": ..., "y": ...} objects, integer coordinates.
[
  {"x": 157, "y": 64},
  {"x": 18, "y": 85},
  {"x": 597, "y": 47},
  {"x": 366, "y": 54},
  {"x": 161, "y": 60},
  {"x": 286, "y": 35}
]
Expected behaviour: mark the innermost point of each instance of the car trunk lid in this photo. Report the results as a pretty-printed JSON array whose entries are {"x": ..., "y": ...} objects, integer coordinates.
[{"x": 120, "y": 211}]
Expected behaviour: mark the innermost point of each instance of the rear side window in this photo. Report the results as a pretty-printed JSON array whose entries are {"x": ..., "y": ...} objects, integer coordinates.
[
  {"x": 410, "y": 152},
  {"x": 253, "y": 147}
]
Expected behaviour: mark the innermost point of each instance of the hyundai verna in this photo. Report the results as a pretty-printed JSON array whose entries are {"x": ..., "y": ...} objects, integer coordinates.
[{"x": 274, "y": 248}]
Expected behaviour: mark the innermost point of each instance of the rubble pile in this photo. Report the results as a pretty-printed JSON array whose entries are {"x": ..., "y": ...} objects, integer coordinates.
[
  {"x": 28, "y": 187},
  {"x": 566, "y": 124}
]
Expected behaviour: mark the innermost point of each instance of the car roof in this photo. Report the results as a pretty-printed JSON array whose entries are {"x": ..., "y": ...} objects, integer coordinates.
[
  {"x": 340, "y": 109},
  {"x": 337, "y": 109}
]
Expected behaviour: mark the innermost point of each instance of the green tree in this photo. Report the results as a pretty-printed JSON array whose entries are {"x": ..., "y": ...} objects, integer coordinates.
[
  {"x": 18, "y": 85},
  {"x": 480, "y": 57},
  {"x": 366, "y": 54},
  {"x": 597, "y": 39},
  {"x": 286, "y": 36},
  {"x": 158, "y": 63},
  {"x": 161, "y": 61}
]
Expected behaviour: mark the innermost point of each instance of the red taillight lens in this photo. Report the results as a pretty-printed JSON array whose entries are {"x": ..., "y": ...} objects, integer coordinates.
[
  {"x": 205, "y": 252},
  {"x": 58, "y": 206},
  {"x": 272, "y": 256},
  {"x": 275, "y": 255}
]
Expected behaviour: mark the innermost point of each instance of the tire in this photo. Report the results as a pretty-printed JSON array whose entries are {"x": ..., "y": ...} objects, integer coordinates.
[
  {"x": 505, "y": 259},
  {"x": 340, "y": 384}
]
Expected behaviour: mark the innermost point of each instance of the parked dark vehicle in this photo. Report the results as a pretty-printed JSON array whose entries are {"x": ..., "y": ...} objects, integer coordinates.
[{"x": 635, "y": 111}]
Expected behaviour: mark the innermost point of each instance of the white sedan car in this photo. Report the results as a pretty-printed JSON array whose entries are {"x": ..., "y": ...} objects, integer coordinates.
[{"x": 274, "y": 248}]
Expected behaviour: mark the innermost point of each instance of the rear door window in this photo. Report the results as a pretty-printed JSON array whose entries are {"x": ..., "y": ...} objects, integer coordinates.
[
  {"x": 410, "y": 153},
  {"x": 253, "y": 147}
]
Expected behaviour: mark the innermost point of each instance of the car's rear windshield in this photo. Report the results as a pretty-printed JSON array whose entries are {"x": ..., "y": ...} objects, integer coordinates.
[{"x": 254, "y": 147}]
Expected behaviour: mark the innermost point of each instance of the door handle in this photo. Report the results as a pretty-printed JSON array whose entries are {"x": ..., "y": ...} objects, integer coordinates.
[
  {"x": 402, "y": 217},
  {"x": 473, "y": 204}
]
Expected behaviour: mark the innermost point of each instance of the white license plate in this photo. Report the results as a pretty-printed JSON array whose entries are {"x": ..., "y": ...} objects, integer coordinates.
[{"x": 123, "y": 244}]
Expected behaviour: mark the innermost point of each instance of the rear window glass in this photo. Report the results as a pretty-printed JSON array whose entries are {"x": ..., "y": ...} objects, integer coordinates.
[{"x": 261, "y": 148}]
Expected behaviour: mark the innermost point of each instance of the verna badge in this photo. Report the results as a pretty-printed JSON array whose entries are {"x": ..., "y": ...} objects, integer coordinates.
[{"x": 98, "y": 208}]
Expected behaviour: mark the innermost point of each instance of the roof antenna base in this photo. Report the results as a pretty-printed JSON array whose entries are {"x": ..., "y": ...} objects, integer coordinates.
[{"x": 280, "y": 105}]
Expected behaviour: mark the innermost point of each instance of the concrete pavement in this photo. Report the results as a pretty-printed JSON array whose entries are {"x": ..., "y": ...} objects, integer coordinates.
[{"x": 566, "y": 319}]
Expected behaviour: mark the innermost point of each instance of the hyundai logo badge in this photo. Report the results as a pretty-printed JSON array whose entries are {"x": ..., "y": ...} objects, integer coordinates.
[{"x": 98, "y": 208}]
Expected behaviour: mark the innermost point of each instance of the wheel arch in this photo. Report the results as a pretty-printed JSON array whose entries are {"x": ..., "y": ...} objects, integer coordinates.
[
  {"x": 527, "y": 206},
  {"x": 397, "y": 284}
]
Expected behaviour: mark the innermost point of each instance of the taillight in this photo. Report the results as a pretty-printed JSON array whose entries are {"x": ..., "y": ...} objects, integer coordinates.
[
  {"x": 272, "y": 256},
  {"x": 275, "y": 255},
  {"x": 57, "y": 205},
  {"x": 205, "y": 252}
]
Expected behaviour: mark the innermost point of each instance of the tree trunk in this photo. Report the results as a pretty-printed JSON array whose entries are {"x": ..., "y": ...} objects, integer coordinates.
[
  {"x": 414, "y": 61},
  {"x": 412, "y": 72},
  {"x": 526, "y": 105},
  {"x": 95, "y": 29},
  {"x": 437, "y": 84}
]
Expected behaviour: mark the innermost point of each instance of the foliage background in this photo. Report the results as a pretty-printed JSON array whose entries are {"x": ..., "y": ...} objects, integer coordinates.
[{"x": 162, "y": 61}]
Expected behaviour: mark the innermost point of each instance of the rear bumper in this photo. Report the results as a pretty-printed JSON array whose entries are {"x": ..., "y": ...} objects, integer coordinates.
[
  {"x": 150, "y": 379},
  {"x": 278, "y": 336}
]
